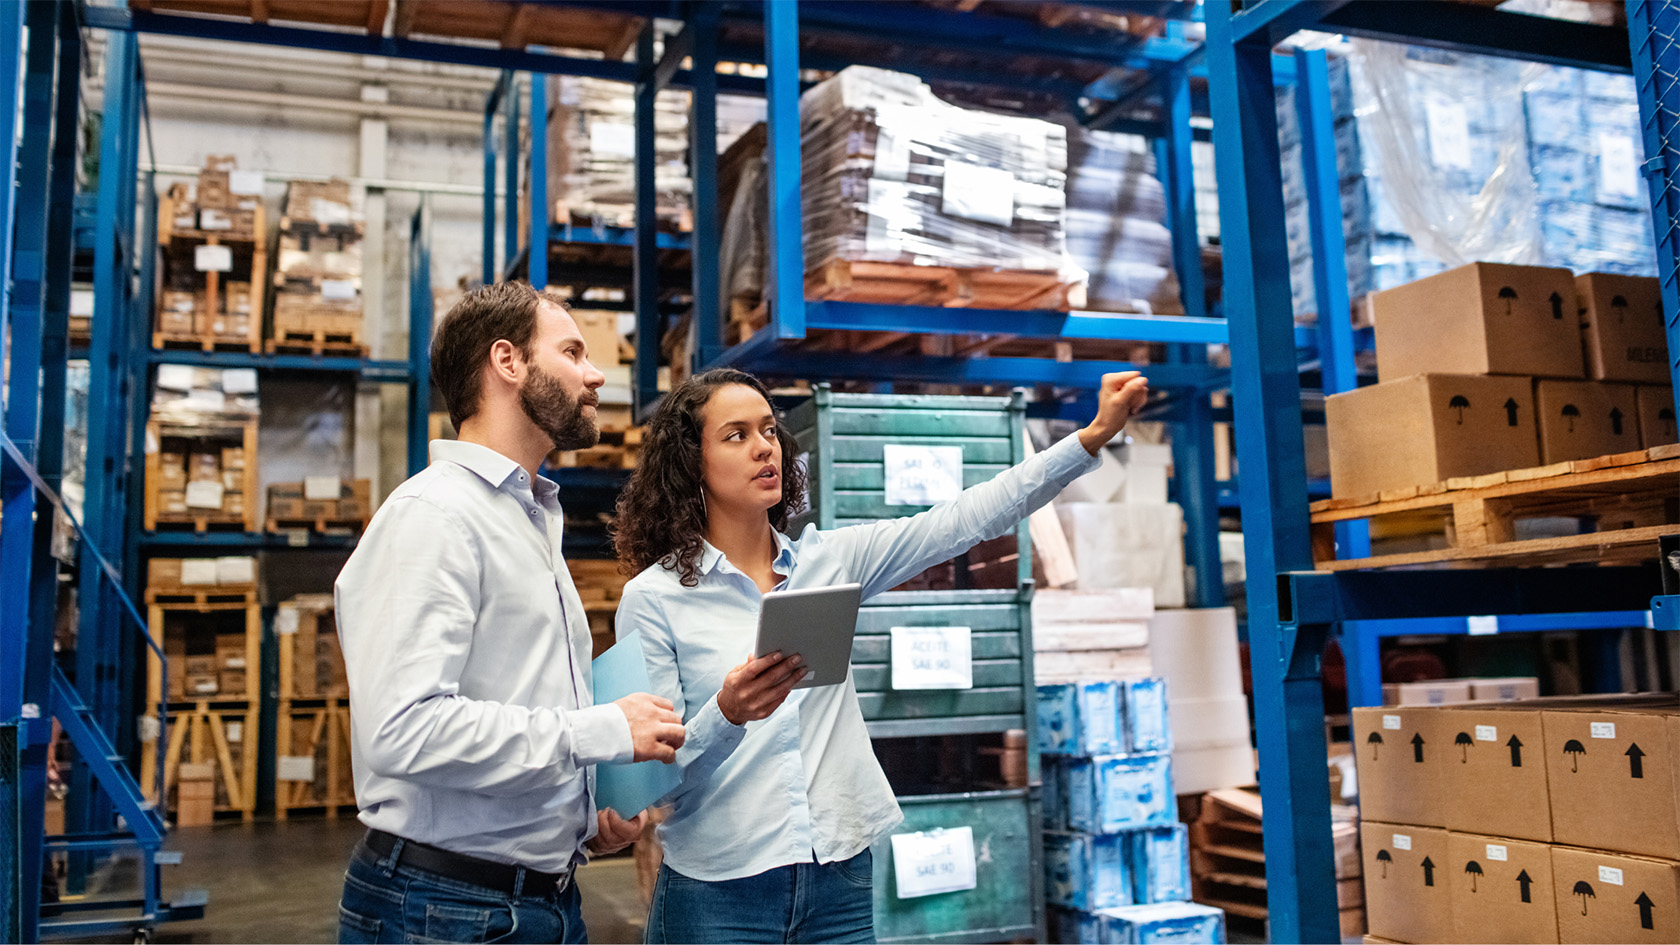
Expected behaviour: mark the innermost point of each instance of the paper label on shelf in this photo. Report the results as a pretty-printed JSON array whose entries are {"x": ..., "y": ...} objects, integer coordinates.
[
  {"x": 212, "y": 258},
  {"x": 286, "y": 620},
  {"x": 1487, "y": 733},
  {"x": 1604, "y": 729},
  {"x": 235, "y": 731},
  {"x": 1391, "y": 723},
  {"x": 1618, "y": 165},
  {"x": 236, "y": 569},
  {"x": 1402, "y": 841},
  {"x": 320, "y": 488},
  {"x": 973, "y": 192},
  {"x": 338, "y": 289},
  {"x": 1497, "y": 851},
  {"x": 1482, "y": 626},
  {"x": 932, "y": 658},
  {"x": 245, "y": 182},
  {"x": 934, "y": 861},
  {"x": 1449, "y": 135},
  {"x": 1609, "y": 874},
  {"x": 197, "y": 571},
  {"x": 611, "y": 139},
  {"x": 922, "y": 475},
  {"x": 295, "y": 768},
  {"x": 239, "y": 381},
  {"x": 177, "y": 377},
  {"x": 81, "y": 302},
  {"x": 204, "y": 495}
]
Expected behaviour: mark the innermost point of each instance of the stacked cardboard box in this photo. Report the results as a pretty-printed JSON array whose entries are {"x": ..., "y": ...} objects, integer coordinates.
[
  {"x": 1545, "y": 820},
  {"x": 318, "y": 270},
  {"x": 1112, "y": 838},
  {"x": 202, "y": 663},
  {"x": 1470, "y": 689},
  {"x": 195, "y": 795},
  {"x": 1481, "y": 369},
  {"x": 203, "y": 296},
  {"x": 317, "y": 667},
  {"x": 320, "y": 498}
]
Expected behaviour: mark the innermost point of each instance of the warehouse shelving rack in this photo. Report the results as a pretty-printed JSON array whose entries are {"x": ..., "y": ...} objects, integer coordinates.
[{"x": 1294, "y": 610}]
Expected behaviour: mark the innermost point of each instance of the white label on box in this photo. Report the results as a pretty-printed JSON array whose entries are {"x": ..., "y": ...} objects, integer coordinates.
[
  {"x": 245, "y": 182},
  {"x": 236, "y": 569},
  {"x": 176, "y": 377},
  {"x": 1487, "y": 733},
  {"x": 286, "y": 619},
  {"x": 205, "y": 685},
  {"x": 212, "y": 258},
  {"x": 320, "y": 488},
  {"x": 234, "y": 662},
  {"x": 239, "y": 381},
  {"x": 214, "y": 220},
  {"x": 295, "y": 768},
  {"x": 1604, "y": 729},
  {"x": 297, "y": 537},
  {"x": 892, "y": 155},
  {"x": 1391, "y": 723},
  {"x": 986, "y": 194},
  {"x": 1609, "y": 874},
  {"x": 236, "y": 730},
  {"x": 932, "y": 658},
  {"x": 338, "y": 289},
  {"x": 1482, "y": 626},
  {"x": 612, "y": 139},
  {"x": 208, "y": 401},
  {"x": 196, "y": 572},
  {"x": 1618, "y": 166},
  {"x": 81, "y": 302},
  {"x": 922, "y": 475},
  {"x": 1449, "y": 135},
  {"x": 329, "y": 211},
  {"x": 1497, "y": 851},
  {"x": 934, "y": 861},
  {"x": 1402, "y": 841},
  {"x": 148, "y": 727},
  {"x": 204, "y": 495}
]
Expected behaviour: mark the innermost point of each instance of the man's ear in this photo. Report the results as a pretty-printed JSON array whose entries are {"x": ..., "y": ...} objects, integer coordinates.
[{"x": 506, "y": 362}]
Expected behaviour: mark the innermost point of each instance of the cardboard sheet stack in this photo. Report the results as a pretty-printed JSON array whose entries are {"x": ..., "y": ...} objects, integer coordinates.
[
  {"x": 1120, "y": 527},
  {"x": 1115, "y": 856},
  {"x": 1116, "y": 224}
]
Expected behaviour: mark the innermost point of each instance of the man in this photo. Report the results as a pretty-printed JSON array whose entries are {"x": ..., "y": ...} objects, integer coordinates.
[{"x": 467, "y": 651}]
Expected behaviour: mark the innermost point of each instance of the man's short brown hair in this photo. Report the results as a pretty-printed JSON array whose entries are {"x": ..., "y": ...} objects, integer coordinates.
[{"x": 484, "y": 316}]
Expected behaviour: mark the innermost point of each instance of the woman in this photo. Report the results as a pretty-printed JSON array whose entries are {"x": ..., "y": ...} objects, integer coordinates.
[{"x": 768, "y": 839}]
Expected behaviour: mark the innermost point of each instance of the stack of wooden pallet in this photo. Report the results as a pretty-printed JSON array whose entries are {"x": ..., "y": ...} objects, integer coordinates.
[
  {"x": 312, "y": 741},
  {"x": 213, "y": 239},
  {"x": 318, "y": 272}
]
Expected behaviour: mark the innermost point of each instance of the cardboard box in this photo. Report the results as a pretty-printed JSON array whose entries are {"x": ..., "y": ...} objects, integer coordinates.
[
  {"x": 1622, "y": 328},
  {"x": 231, "y": 683},
  {"x": 1408, "y": 896},
  {"x": 172, "y": 501},
  {"x": 1501, "y": 889},
  {"x": 1427, "y": 692},
  {"x": 199, "y": 685},
  {"x": 1584, "y": 419},
  {"x": 1612, "y": 779},
  {"x": 1484, "y": 318},
  {"x": 1620, "y": 898},
  {"x": 1429, "y": 428},
  {"x": 204, "y": 467},
  {"x": 1656, "y": 415},
  {"x": 199, "y": 665},
  {"x": 1496, "y": 775},
  {"x": 1402, "y": 756},
  {"x": 600, "y": 335},
  {"x": 1503, "y": 689}
]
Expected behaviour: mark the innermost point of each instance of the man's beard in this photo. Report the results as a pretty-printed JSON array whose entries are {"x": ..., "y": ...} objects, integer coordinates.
[{"x": 556, "y": 413}]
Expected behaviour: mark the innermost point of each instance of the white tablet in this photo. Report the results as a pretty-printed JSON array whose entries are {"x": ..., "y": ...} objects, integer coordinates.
[{"x": 817, "y": 623}]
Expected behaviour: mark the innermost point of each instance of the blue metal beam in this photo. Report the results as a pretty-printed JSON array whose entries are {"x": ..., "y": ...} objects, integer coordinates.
[
  {"x": 703, "y": 163},
  {"x": 492, "y": 105},
  {"x": 510, "y": 168},
  {"x": 419, "y": 334},
  {"x": 1273, "y": 21},
  {"x": 822, "y": 365},
  {"x": 1467, "y": 28},
  {"x": 645, "y": 288},
  {"x": 391, "y": 372},
  {"x": 536, "y": 236},
  {"x": 1652, "y": 27},
  {"x": 869, "y": 316},
  {"x": 1321, "y": 597},
  {"x": 785, "y": 249}
]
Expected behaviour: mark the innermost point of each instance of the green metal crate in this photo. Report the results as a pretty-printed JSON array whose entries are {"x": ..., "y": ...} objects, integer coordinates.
[{"x": 1008, "y": 902}]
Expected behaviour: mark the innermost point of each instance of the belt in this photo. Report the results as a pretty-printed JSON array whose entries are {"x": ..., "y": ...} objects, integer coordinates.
[{"x": 501, "y": 877}]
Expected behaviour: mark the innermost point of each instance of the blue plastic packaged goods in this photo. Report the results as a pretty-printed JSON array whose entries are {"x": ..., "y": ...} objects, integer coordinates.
[
  {"x": 1176, "y": 922},
  {"x": 1158, "y": 861},
  {"x": 1086, "y": 871},
  {"x": 1080, "y": 718},
  {"x": 1054, "y": 793},
  {"x": 1118, "y": 792},
  {"x": 1148, "y": 728},
  {"x": 1075, "y": 925}
]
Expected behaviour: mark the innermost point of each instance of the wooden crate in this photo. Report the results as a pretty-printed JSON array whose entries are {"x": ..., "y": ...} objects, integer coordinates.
[
  {"x": 618, "y": 449},
  {"x": 363, "y": 14},
  {"x": 311, "y": 662},
  {"x": 225, "y": 737},
  {"x": 288, "y": 510},
  {"x": 178, "y": 245},
  {"x": 156, "y": 513},
  {"x": 903, "y": 284},
  {"x": 319, "y": 731},
  {"x": 1629, "y": 495}
]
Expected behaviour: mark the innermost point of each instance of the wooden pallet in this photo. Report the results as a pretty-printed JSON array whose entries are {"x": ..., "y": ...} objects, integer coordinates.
[
  {"x": 200, "y": 523},
  {"x": 517, "y": 25},
  {"x": 332, "y": 790},
  {"x": 619, "y": 448},
  {"x": 81, "y": 330},
  {"x": 173, "y": 341},
  {"x": 355, "y": 228},
  {"x": 321, "y": 525},
  {"x": 201, "y": 735},
  {"x": 318, "y": 343},
  {"x": 902, "y": 284},
  {"x": 1630, "y": 496},
  {"x": 365, "y": 14},
  {"x": 202, "y": 598}
]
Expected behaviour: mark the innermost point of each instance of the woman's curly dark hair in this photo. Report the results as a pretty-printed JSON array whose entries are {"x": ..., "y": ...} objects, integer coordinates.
[{"x": 661, "y": 515}]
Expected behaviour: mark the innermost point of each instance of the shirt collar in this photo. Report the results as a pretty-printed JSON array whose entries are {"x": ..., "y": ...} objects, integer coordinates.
[
  {"x": 785, "y": 554},
  {"x": 489, "y": 465}
]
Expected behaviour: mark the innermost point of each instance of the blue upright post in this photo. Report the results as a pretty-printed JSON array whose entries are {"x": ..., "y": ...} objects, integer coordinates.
[
  {"x": 491, "y": 106},
  {"x": 786, "y": 249},
  {"x": 1653, "y": 31},
  {"x": 1288, "y": 690},
  {"x": 419, "y": 334},
  {"x": 645, "y": 286},
  {"x": 702, "y": 150},
  {"x": 510, "y": 169},
  {"x": 536, "y": 237}
]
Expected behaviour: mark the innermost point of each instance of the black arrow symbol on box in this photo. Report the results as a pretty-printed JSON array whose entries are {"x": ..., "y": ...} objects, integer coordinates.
[
  {"x": 1417, "y": 748},
  {"x": 1557, "y": 306},
  {"x": 1428, "y": 871},
  {"x": 1510, "y": 411},
  {"x": 1515, "y": 745},
  {"x": 1636, "y": 761},
  {"x": 1644, "y": 903},
  {"x": 1616, "y": 421},
  {"x": 1523, "y": 880}
]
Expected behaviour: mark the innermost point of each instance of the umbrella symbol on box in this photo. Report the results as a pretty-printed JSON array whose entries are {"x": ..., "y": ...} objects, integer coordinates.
[
  {"x": 1464, "y": 741},
  {"x": 1385, "y": 858},
  {"x": 1575, "y": 750},
  {"x": 1585, "y": 891},
  {"x": 1509, "y": 295},
  {"x": 1375, "y": 741},
  {"x": 1475, "y": 870},
  {"x": 1620, "y": 305},
  {"x": 1571, "y": 413},
  {"x": 1459, "y": 403}
]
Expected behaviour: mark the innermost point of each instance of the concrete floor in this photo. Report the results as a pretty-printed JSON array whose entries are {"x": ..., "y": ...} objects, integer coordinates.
[{"x": 280, "y": 882}]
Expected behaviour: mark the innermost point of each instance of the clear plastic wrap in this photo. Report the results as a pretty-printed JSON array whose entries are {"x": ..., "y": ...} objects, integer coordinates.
[
  {"x": 1116, "y": 224},
  {"x": 209, "y": 398}
]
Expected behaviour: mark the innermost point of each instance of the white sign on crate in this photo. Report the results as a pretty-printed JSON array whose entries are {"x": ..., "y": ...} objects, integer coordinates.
[
  {"x": 197, "y": 572},
  {"x": 295, "y": 768},
  {"x": 338, "y": 289},
  {"x": 245, "y": 183},
  {"x": 922, "y": 475},
  {"x": 932, "y": 658},
  {"x": 320, "y": 488},
  {"x": 212, "y": 258},
  {"x": 204, "y": 495},
  {"x": 934, "y": 861},
  {"x": 239, "y": 381},
  {"x": 975, "y": 192}
]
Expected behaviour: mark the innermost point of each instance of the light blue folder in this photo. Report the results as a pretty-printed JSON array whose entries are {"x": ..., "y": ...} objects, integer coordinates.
[{"x": 628, "y": 788}]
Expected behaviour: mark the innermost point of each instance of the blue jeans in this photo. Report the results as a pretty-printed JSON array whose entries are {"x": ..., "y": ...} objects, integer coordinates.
[
  {"x": 383, "y": 903},
  {"x": 806, "y": 902}
]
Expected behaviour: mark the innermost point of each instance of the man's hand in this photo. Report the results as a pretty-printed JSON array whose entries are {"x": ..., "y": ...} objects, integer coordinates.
[
  {"x": 1121, "y": 396},
  {"x": 758, "y": 687},
  {"x": 614, "y": 833},
  {"x": 655, "y": 730}
]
